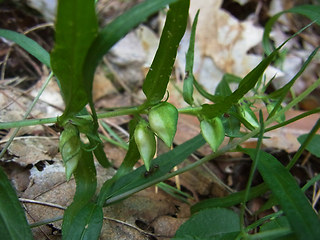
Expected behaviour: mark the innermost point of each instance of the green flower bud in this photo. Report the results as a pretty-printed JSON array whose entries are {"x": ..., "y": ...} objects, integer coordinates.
[
  {"x": 146, "y": 142},
  {"x": 213, "y": 132},
  {"x": 163, "y": 119},
  {"x": 70, "y": 148},
  {"x": 249, "y": 115}
]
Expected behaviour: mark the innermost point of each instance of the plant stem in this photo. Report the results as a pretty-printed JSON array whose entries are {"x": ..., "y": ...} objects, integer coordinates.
[{"x": 26, "y": 114}]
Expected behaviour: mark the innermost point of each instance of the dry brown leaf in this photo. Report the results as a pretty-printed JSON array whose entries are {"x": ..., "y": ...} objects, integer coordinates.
[
  {"x": 30, "y": 150},
  {"x": 223, "y": 43}
]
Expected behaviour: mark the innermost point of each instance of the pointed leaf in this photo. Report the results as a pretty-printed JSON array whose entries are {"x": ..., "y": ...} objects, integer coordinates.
[
  {"x": 116, "y": 30},
  {"x": 86, "y": 183},
  {"x": 87, "y": 223},
  {"x": 275, "y": 224},
  {"x": 76, "y": 27},
  {"x": 188, "y": 81},
  {"x": 214, "y": 223},
  {"x": 301, "y": 216},
  {"x": 136, "y": 180},
  {"x": 13, "y": 222},
  {"x": 310, "y": 11},
  {"x": 247, "y": 83},
  {"x": 230, "y": 200},
  {"x": 155, "y": 84},
  {"x": 27, "y": 44},
  {"x": 314, "y": 146}
]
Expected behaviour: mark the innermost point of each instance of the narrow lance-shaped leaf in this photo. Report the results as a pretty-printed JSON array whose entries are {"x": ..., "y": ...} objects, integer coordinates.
[
  {"x": 281, "y": 93},
  {"x": 188, "y": 81},
  {"x": 27, "y": 44},
  {"x": 76, "y": 27},
  {"x": 132, "y": 156},
  {"x": 136, "y": 180},
  {"x": 247, "y": 83},
  {"x": 301, "y": 216},
  {"x": 230, "y": 200},
  {"x": 310, "y": 11},
  {"x": 155, "y": 84},
  {"x": 116, "y": 30},
  {"x": 13, "y": 222},
  {"x": 86, "y": 183}
]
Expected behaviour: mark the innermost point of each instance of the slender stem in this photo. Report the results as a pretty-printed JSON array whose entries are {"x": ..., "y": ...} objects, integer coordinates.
[
  {"x": 46, "y": 221},
  {"x": 252, "y": 171},
  {"x": 291, "y": 120},
  {"x": 294, "y": 101},
  {"x": 304, "y": 145},
  {"x": 279, "y": 232},
  {"x": 116, "y": 113},
  {"x": 26, "y": 114}
]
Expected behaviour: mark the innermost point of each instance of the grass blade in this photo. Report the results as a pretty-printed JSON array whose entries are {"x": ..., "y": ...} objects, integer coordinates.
[
  {"x": 155, "y": 84},
  {"x": 302, "y": 218},
  {"x": 27, "y": 44}
]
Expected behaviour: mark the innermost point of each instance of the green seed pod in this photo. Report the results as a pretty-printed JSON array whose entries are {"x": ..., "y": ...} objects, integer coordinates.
[
  {"x": 163, "y": 119},
  {"x": 70, "y": 148},
  {"x": 146, "y": 142},
  {"x": 213, "y": 132}
]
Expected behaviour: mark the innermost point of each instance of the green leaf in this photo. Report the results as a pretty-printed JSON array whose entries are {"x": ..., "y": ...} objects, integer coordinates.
[
  {"x": 87, "y": 223},
  {"x": 27, "y": 44},
  {"x": 76, "y": 27},
  {"x": 221, "y": 91},
  {"x": 248, "y": 115},
  {"x": 13, "y": 222},
  {"x": 155, "y": 84},
  {"x": 281, "y": 93},
  {"x": 89, "y": 129},
  {"x": 230, "y": 200},
  {"x": 314, "y": 146},
  {"x": 278, "y": 223},
  {"x": 131, "y": 158},
  {"x": 247, "y": 83},
  {"x": 301, "y": 216},
  {"x": 214, "y": 223},
  {"x": 86, "y": 183},
  {"x": 223, "y": 88},
  {"x": 310, "y": 11},
  {"x": 116, "y": 30},
  {"x": 205, "y": 94},
  {"x": 188, "y": 81},
  {"x": 101, "y": 156},
  {"x": 137, "y": 180}
]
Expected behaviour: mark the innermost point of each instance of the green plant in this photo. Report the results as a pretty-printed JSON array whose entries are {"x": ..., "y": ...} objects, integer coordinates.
[{"x": 78, "y": 49}]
